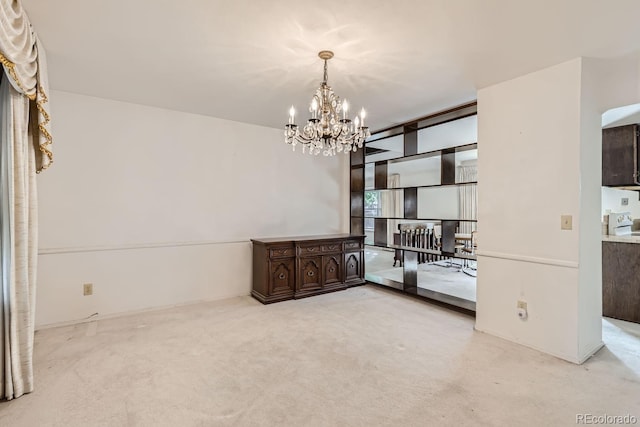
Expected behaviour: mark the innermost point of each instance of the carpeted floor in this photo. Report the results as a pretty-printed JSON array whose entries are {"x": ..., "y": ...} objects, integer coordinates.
[{"x": 362, "y": 357}]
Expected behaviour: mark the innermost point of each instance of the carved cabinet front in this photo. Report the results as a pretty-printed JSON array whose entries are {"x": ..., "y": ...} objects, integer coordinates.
[
  {"x": 282, "y": 276},
  {"x": 353, "y": 266},
  {"x": 310, "y": 278}
]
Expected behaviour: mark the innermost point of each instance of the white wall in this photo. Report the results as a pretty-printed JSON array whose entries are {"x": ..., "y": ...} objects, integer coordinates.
[
  {"x": 590, "y": 229},
  {"x": 538, "y": 154},
  {"x": 156, "y": 207}
]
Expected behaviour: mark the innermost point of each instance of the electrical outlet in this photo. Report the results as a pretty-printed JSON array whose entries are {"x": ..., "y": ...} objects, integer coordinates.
[
  {"x": 522, "y": 310},
  {"x": 566, "y": 222},
  {"x": 87, "y": 289}
]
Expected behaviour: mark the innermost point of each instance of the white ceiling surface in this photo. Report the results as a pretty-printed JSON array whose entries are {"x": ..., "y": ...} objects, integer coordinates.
[{"x": 249, "y": 60}]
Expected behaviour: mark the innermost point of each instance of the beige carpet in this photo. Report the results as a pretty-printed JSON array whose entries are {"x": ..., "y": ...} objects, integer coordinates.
[{"x": 362, "y": 357}]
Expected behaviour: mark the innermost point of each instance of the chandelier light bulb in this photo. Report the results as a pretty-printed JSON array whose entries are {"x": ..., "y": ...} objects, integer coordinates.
[{"x": 327, "y": 132}]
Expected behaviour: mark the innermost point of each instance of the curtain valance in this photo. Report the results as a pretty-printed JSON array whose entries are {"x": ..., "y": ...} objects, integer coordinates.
[{"x": 24, "y": 61}]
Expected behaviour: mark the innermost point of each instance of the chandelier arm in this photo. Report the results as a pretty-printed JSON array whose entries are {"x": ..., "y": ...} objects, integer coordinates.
[{"x": 304, "y": 140}]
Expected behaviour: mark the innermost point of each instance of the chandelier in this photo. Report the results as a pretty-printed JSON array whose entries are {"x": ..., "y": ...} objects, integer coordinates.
[{"x": 326, "y": 132}]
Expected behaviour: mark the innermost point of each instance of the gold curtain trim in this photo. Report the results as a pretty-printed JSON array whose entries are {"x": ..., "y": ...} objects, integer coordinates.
[
  {"x": 11, "y": 68},
  {"x": 44, "y": 148}
]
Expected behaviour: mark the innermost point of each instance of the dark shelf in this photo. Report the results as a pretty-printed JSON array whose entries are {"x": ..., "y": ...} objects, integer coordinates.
[
  {"x": 466, "y": 147},
  {"x": 457, "y": 184},
  {"x": 418, "y": 219}
]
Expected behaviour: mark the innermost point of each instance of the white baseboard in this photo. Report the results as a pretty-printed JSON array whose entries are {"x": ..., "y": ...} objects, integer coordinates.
[{"x": 95, "y": 317}]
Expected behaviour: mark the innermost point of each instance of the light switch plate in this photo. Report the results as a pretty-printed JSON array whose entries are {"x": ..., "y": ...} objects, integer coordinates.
[
  {"x": 87, "y": 289},
  {"x": 625, "y": 201},
  {"x": 566, "y": 222}
]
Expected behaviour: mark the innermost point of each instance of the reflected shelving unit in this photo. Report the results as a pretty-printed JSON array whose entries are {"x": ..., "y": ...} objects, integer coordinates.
[{"x": 414, "y": 196}]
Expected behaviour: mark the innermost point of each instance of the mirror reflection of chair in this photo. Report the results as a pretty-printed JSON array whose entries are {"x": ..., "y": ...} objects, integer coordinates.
[
  {"x": 437, "y": 233},
  {"x": 471, "y": 249},
  {"x": 470, "y": 267},
  {"x": 419, "y": 236}
]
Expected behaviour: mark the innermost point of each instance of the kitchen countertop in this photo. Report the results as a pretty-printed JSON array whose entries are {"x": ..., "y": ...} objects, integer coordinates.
[{"x": 621, "y": 239}]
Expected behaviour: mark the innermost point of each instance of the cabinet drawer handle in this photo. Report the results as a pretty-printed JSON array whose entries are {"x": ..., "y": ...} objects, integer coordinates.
[
  {"x": 310, "y": 273},
  {"x": 281, "y": 276},
  {"x": 331, "y": 270}
]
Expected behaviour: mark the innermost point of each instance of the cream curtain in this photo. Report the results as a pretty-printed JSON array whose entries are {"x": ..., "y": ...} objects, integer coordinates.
[
  {"x": 25, "y": 149},
  {"x": 468, "y": 197},
  {"x": 19, "y": 243}
]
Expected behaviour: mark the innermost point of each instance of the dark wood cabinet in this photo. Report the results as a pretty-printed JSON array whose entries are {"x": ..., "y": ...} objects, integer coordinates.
[
  {"x": 620, "y": 156},
  {"x": 297, "y": 267},
  {"x": 621, "y": 281}
]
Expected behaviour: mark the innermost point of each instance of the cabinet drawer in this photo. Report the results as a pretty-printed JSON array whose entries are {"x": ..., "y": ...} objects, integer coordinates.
[
  {"x": 331, "y": 247},
  {"x": 351, "y": 245},
  {"x": 310, "y": 250},
  {"x": 282, "y": 252},
  {"x": 324, "y": 248}
]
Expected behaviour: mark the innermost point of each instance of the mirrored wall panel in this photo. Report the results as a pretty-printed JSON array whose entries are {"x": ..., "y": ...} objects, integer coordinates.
[
  {"x": 384, "y": 203},
  {"x": 369, "y": 231},
  {"x": 418, "y": 208},
  {"x": 384, "y": 149},
  {"x": 451, "y": 134},
  {"x": 414, "y": 171},
  {"x": 448, "y": 202},
  {"x": 467, "y": 165},
  {"x": 369, "y": 176}
]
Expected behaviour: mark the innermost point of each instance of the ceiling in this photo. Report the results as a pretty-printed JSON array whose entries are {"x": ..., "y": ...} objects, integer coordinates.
[{"x": 249, "y": 60}]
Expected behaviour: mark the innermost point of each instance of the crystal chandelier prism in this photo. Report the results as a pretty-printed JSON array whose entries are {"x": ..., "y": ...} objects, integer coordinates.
[{"x": 329, "y": 130}]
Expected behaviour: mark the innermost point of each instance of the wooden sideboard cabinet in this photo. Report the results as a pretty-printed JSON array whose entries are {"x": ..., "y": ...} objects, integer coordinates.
[{"x": 297, "y": 267}]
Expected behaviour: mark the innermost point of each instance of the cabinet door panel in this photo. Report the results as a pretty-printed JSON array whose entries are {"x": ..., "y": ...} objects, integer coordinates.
[
  {"x": 332, "y": 269},
  {"x": 310, "y": 274},
  {"x": 352, "y": 266},
  {"x": 282, "y": 276},
  {"x": 618, "y": 150}
]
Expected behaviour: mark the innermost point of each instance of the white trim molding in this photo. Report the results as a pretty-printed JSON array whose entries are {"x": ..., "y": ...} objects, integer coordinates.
[
  {"x": 527, "y": 258},
  {"x": 53, "y": 251}
]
